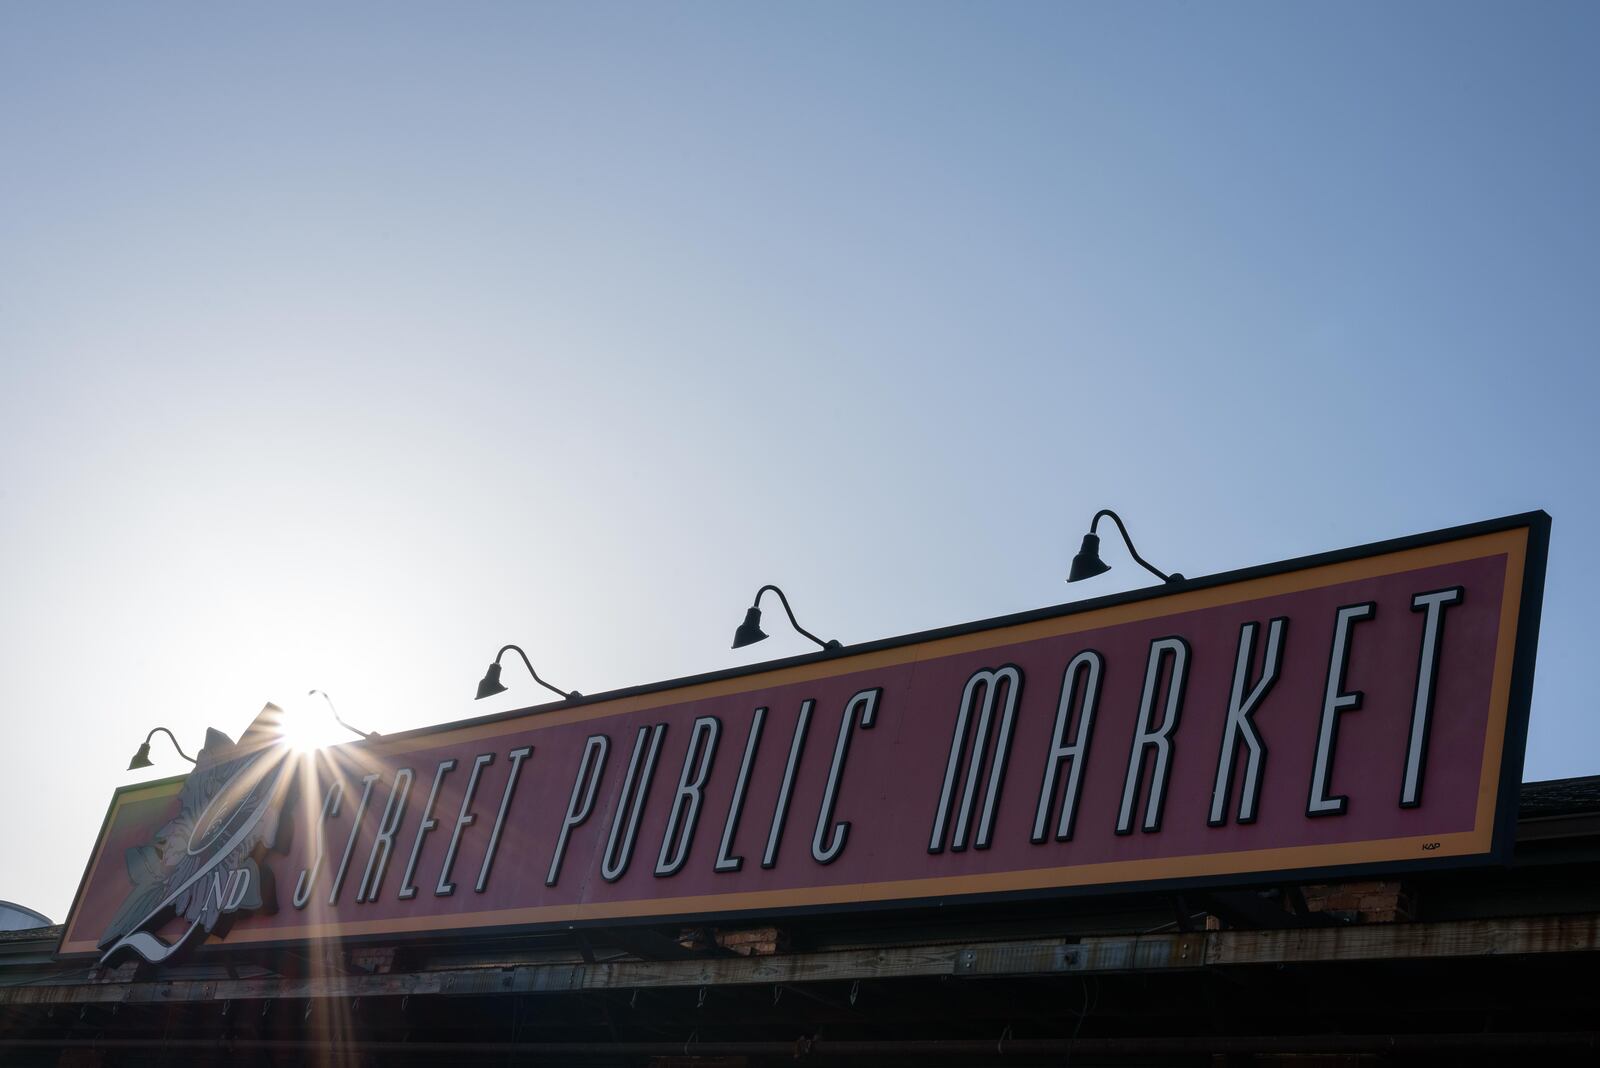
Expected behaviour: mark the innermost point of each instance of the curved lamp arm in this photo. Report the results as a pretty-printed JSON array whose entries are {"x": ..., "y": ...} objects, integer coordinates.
[
  {"x": 1141, "y": 561},
  {"x": 831, "y": 644},
  {"x": 340, "y": 719},
  {"x": 162, "y": 730},
  {"x": 553, "y": 689}
]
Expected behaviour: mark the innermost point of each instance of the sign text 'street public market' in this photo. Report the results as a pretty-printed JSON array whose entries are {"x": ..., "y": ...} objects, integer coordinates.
[{"x": 1363, "y": 710}]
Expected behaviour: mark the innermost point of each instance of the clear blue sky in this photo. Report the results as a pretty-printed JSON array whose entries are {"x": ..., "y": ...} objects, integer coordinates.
[{"x": 338, "y": 347}]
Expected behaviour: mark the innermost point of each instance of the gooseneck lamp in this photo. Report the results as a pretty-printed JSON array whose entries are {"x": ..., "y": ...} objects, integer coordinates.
[
  {"x": 750, "y": 631},
  {"x": 369, "y": 735},
  {"x": 490, "y": 684},
  {"x": 141, "y": 759},
  {"x": 1087, "y": 564}
]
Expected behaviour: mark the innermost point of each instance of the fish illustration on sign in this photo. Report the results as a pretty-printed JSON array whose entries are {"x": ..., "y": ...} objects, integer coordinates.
[{"x": 204, "y": 864}]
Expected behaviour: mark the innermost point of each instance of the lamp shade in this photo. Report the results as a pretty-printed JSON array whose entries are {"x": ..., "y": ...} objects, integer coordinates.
[
  {"x": 141, "y": 759},
  {"x": 1087, "y": 564},
  {"x": 490, "y": 684},
  {"x": 749, "y": 631}
]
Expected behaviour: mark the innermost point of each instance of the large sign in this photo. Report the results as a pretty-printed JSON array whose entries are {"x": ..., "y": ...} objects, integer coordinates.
[{"x": 1358, "y": 711}]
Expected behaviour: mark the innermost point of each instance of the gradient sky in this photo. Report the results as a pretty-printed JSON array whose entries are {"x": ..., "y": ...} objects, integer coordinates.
[{"x": 340, "y": 346}]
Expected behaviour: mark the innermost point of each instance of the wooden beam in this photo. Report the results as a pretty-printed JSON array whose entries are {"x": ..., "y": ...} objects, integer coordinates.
[
  {"x": 1132, "y": 953},
  {"x": 1411, "y": 941}
]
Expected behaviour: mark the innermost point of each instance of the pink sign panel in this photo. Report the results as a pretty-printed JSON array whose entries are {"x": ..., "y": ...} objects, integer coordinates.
[{"x": 1352, "y": 712}]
